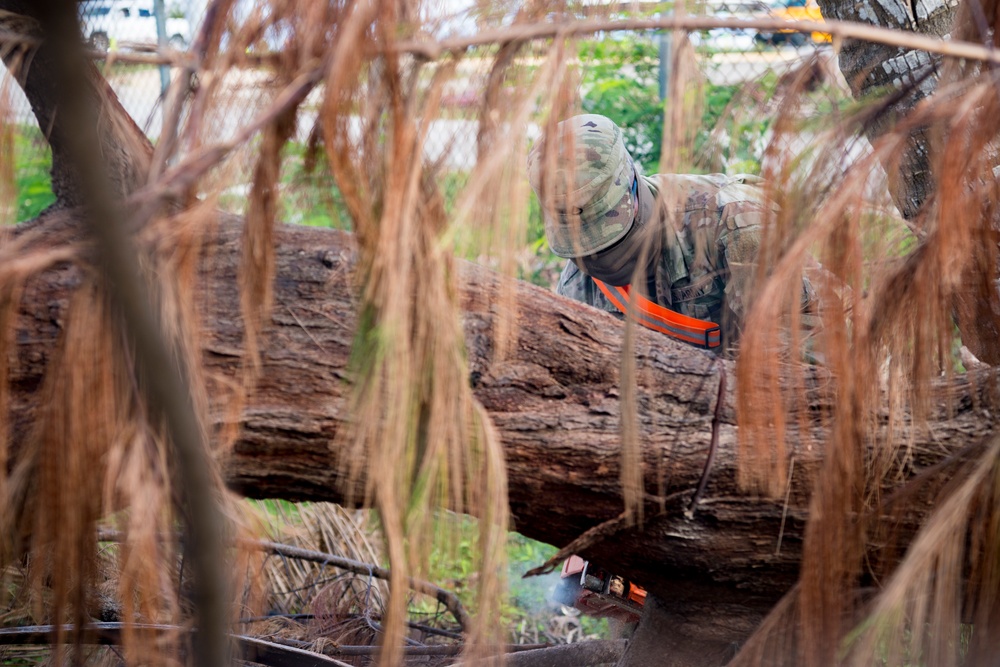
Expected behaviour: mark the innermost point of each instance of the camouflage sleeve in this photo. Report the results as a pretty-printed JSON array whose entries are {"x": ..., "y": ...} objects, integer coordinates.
[
  {"x": 577, "y": 285},
  {"x": 741, "y": 241}
]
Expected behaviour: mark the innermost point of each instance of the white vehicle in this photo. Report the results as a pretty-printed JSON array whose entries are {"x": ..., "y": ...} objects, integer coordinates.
[
  {"x": 724, "y": 39},
  {"x": 128, "y": 24},
  {"x": 730, "y": 39}
]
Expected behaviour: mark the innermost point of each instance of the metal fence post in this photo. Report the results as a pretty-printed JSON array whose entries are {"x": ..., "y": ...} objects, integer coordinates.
[
  {"x": 665, "y": 43},
  {"x": 160, "y": 11}
]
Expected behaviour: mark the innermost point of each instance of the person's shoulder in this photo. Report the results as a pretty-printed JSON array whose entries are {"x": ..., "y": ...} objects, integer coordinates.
[
  {"x": 691, "y": 191},
  {"x": 743, "y": 188},
  {"x": 696, "y": 191},
  {"x": 742, "y": 195},
  {"x": 746, "y": 179},
  {"x": 688, "y": 181},
  {"x": 652, "y": 182},
  {"x": 708, "y": 182}
]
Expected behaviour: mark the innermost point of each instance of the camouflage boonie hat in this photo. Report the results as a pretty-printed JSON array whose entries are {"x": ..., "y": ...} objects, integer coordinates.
[{"x": 591, "y": 187}]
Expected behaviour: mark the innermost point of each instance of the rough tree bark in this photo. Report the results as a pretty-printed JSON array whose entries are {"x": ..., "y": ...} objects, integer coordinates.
[
  {"x": 126, "y": 148},
  {"x": 872, "y": 69},
  {"x": 715, "y": 565},
  {"x": 555, "y": 404}
]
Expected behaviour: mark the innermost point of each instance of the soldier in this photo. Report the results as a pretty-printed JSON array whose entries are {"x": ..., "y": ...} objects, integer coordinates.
[{"x": 692, "y": 239}]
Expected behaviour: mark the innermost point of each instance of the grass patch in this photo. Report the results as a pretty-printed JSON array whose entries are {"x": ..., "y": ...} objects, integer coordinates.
[
  {"x": 528, "y": 615},
  {"x": 32, "y": 172}
]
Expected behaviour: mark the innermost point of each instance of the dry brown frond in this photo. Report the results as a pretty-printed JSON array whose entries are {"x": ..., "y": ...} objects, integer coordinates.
[
  {"x": 257, "y": 267},
  {"x": 422, "y": 444},
  {"x": 886, "y": 334},
  {"x": 918, "y": 615},
  {"x": 417, "y": 426}
]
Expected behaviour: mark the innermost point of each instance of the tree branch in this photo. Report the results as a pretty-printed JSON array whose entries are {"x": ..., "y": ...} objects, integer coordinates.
[
  {"x": 447, "y": 598},
  {"x": 554, "y": 402}
]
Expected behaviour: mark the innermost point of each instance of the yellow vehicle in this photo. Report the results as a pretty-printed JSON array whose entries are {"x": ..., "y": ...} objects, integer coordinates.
[{"x": 795, "y": 10}]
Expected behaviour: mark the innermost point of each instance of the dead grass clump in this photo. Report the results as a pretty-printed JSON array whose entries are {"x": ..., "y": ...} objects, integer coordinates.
[{"x": 297, "y": 586}]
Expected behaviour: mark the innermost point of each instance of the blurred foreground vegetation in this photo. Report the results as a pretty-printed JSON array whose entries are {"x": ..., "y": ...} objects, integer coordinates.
[
  {"x": 619, "y": 81},
  {"x": 32, "y": 162}
]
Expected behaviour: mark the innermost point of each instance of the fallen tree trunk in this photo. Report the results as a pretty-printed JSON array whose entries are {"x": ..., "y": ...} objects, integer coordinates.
[
  {"x": 715, "y": 559},
  {"x": 718, "y": 565}
]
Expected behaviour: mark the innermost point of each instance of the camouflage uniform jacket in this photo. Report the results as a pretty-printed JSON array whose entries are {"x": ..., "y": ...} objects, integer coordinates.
[{"x": 709, "y": 250}]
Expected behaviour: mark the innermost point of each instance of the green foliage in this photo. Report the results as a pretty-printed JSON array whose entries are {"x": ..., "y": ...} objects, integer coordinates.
[
  {"x": 728, "y": 140},
  {"x": 528, "y": 603},
  {"x": 621, "y": 81},
  {"x": 32, "y": 165},
  {"x": 527, "y": 595},
  {"x": 309, "y": 194},
  {"x": 275, "y": 513},
  {"x": 527, "y": 612}
]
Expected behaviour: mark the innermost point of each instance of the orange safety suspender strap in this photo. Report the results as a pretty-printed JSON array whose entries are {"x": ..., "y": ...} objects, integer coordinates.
[{"x": 664, "y": 320}]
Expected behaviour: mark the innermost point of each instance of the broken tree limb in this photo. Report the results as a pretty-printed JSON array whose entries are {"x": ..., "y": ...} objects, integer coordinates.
[
  {"x": 911, "y": 73},
  {"x": 292, "y": 653},
  {"x": 447, "y": 598},
  {"x": 34, "y": 64},
  {"x": 577, "y": 654},
  {"x": 554, "y": 402}
]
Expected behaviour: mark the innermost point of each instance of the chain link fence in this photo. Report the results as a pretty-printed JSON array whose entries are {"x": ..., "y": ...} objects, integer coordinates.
[{"x": 731, "y": 72}]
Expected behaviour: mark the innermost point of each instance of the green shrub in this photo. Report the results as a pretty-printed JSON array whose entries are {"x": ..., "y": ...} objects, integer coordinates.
[{"x": 621, "y": 81}]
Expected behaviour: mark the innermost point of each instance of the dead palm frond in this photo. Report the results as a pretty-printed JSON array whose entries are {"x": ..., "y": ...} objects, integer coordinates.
[
  {"x": 421, "y": 442},
  {"x": 886, "y": 334}
]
